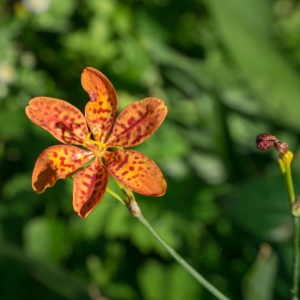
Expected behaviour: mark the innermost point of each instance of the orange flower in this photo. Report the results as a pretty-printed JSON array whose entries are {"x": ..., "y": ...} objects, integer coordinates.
[{"x": 104, "y": 143}]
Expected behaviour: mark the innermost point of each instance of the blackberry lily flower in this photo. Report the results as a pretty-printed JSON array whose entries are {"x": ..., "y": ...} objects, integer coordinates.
[{"x": 105, "y": 138}]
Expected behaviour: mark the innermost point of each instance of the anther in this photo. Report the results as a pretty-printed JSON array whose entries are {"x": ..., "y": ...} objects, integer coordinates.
[{"x": 86, "y": 139}]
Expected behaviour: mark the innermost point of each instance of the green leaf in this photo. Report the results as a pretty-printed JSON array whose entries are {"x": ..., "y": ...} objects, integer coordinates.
[
  {"x": 245, "y": 30},
  {"x": 152, "y": 280},
  {"x": 57, "y": 17},
  {"x": 167, "y": 282},
  {"x": 46, "y": 239},
  {"x": 260, "y": 279},
  {"x": 261, "y": 207},
  {"x": 57, "y": 279}
]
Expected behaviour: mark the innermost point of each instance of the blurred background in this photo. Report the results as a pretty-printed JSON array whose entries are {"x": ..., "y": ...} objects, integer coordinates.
[{"x": 228, "y": 70}]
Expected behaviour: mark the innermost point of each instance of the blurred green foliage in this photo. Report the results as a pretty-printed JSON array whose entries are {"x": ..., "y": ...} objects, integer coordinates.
[{"x": 228, "y": 70}]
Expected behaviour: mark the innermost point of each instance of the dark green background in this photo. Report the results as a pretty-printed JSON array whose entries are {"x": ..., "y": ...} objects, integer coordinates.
[{"x": 228, "y": 70}]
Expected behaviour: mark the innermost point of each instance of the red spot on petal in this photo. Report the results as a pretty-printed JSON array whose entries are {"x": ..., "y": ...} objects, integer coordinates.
[
  {"x": 93, "y": 96},
  {"x": 131, "y": 120}
]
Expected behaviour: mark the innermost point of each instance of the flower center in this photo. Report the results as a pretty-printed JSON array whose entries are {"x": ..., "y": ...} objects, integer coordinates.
[
  {"x": 98, "y": 149},
  {"x": 92, "y": 141}
]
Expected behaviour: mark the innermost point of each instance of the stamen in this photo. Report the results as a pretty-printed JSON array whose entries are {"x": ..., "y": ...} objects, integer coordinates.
[
  {"x": 87, "y": 138},
  {"x": 102, "y": 145}
]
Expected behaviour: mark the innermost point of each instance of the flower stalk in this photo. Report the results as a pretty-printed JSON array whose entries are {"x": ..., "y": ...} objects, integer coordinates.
[
  {"x": 198, "y": 277},
  {"x": 264, "y": 142},
  {"x": 134, "y": 209},
  {"x": 285, "y": 160}
]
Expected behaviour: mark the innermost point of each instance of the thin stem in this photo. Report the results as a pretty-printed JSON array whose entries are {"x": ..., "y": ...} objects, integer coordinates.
[
  {"x": 115, "y": 195},
  {"x": 129, "y": 201},
  {"x": 285, "y": 167},
  {"x": 291, "y": 194},
  {"x": 182, "y": 262},
  {"x": 289, "y": 184},
  {"x": 135, "y": 211},
  {"x": 296, "y": 258}
]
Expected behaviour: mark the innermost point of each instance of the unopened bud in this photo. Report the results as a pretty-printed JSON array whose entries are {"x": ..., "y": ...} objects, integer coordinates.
[{"x": 265, "y": 141}]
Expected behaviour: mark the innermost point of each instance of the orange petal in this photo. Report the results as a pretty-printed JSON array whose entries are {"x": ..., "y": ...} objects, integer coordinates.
[
  {"x": 101, "y": 109},
  {"x": 63, "y": 120},
  {"x": 137, "y": 122},
  {"x": 89, "y": 187},
  {"x": 60, "y": 161},
  {"x": 136, "y": 171}
]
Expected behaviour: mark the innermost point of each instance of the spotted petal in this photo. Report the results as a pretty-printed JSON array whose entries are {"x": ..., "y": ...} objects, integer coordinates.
[
  {"x": 137, "y": 122},
  {"x": 60, "y": 161},
  {"x": 89, "y": 187},
  {"x": 136, "y": 171},
  {"x": 101, "y": 109},
  {"x": 63, "y": 120}
]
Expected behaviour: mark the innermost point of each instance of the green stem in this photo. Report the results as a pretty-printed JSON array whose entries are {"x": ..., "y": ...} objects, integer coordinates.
[
  {"x": 115, "y": 195},
  {"x": 288, "y": 180},
  {"x": 291, "y": 194},
  {"x": 182, "y": 262},
  {"x": 296, "y": 258},
  {"x": 134, "y": 209},
  {"x": 289, "y": 184}
]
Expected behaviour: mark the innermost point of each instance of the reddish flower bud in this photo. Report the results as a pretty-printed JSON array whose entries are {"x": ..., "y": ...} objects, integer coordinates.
[
  {"x": 265, "y": 141},
  {"x": 282, "y": 148}
]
